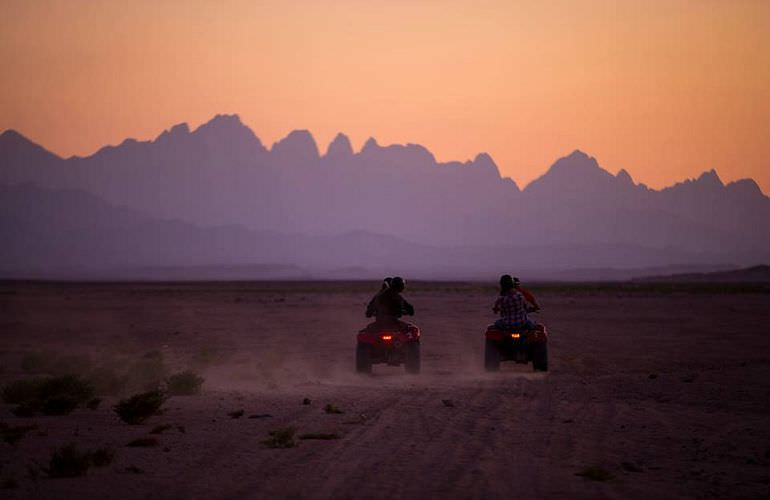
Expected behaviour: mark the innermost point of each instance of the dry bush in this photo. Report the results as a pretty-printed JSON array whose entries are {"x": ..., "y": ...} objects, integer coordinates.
[
  {"x": 595, "y": 473},
  {"x": 102, "y": 457},
  {"x": 143, "y": 442},
  {"x": 320, "y": 435},
  {"x": 236, "y": 413},
  {"x": 332, "y": 410},
  {"x": 140, "y": 407},
  {"x": 48, "y": 395},
  {"x": 68, "y": 461},
  {"x": 281, "y": 438},
  {"x": 14, "y": 434}
]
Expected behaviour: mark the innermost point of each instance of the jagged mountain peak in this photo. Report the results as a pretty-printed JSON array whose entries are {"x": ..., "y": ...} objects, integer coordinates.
[
  {"x": 180, "y": 130},
  {"x": 12, "y": 135},
  {"x": 14, "y": 144},
  {"x": 370, "y": 144},
  {"x": 339, "y": 148},
  {"x": 230, "y": 131},
  {"x": 576, "y": 172},
  {"x": 624, "y": 177},
  {"x": 576, "y": 160},
  {"x": 223, "y": 123},
  {"x": 710, "y": 178},
  {"x": 745, "y": 187},
  {"x": 298, "y": 146},
  {"x": 485, "y": 162}
]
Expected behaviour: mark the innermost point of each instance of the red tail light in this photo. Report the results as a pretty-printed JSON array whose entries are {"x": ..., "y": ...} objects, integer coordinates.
[{"x": 387, "y": 337}]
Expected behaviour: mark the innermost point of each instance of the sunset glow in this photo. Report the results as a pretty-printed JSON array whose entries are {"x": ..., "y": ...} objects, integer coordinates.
[{"x": 663, "y": 89}]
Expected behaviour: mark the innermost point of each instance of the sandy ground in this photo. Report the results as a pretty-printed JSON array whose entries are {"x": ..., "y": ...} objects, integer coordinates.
[{"x": 667, "y": 392}]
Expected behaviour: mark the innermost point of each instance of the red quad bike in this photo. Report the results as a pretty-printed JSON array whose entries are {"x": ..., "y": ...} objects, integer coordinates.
[
  {"x": 521, "y": 346},
  {"x": 387, "y": 343}
]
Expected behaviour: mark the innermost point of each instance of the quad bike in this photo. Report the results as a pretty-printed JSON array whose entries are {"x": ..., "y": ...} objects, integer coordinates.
[
  {"x": 520, "y": 345},
  {"x": 389, "y": 343}
]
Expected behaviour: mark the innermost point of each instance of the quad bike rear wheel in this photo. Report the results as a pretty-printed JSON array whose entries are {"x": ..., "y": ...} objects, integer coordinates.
[
  {"x": 363, "y": 358},
  {"x": 412, "y": 358},
  {"x": 540, "y": 357},
  {"x": 491, "y": 356}
]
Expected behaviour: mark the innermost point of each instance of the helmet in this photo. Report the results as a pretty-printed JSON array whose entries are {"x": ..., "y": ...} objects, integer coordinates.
[
  {"x": 398, "y": 284},
  {"x": 506, "y": 282}
]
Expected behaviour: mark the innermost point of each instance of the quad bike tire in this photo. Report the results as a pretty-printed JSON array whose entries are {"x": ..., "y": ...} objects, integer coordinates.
[
  {"x": 491, "y": 357},
  {"x": 540, "y": 357},
  {"x": 363, "y": 359},
  {"x": 412, "y": 358}
]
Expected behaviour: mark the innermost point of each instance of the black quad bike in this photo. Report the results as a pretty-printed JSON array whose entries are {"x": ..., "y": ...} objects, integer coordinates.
[
  {"x": 390, "y": 344},
  {"x": 522, "y": 346}
]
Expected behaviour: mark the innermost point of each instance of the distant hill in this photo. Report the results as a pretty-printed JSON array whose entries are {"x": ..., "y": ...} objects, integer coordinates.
[
  {"x": 221, "y": 175},
  {"x": 71, "y": 234},
  {"x": 754, "y": 274}
]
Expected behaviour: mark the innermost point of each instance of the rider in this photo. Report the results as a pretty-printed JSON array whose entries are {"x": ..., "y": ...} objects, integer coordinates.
[
  {"x": 512, "y": 307},
  {"x": 532, "y": 304},
  {"x": 371, "y": 307},
  {"x": 391, "y": 305}
]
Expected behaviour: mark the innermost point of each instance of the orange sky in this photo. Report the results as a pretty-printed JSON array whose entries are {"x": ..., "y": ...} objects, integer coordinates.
[{"x": 665, "y": 89}]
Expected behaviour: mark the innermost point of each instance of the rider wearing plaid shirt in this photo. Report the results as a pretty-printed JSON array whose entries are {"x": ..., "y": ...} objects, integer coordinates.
[{"x": 512, "y": 307}]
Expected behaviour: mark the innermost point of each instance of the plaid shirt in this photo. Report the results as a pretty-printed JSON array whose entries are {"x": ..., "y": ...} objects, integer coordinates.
[{"x": 512, "y": 308}]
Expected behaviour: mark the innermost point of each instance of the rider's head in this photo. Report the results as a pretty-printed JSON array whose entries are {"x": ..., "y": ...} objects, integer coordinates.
[
  {"x": 516, "y": 282},
  {"x": 398, "y": 284},
  {"x": 506, "y": 283}
]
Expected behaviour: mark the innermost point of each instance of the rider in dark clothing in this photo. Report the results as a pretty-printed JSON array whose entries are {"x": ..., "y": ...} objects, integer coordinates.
[
  {"x": 390, "y": 305},
  {"x": 371, "y": 308}
]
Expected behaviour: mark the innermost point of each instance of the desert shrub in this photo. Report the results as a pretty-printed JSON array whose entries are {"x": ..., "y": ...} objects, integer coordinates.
[
  {"x": 28, "y": 409},
  {"x": 48, "y": 395},
  {"x": 68, "y": 461},
  {"x": 14, "y": 434},
  {"x": 185, "y": 383},
  {"x": 58, "y": 406},
  {"x": 320, "y": 435},
  {"x": 236, "y": 413},
  {"x": 281, "y": 438},
  {"x": 19, "y": 391},
  {"x": 9, "y": 483},
  {"x": 594, "y": 473},
  {"x": 69, "y": 386},
  {"x": 331, "y": 409},
  {"x": 102, "y": 457},
  {"x": 140, "y": 407},
  {"x": 143, "y": 442}
]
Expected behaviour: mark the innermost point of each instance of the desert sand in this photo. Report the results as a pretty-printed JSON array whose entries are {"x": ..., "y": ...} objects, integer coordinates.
[{"x": 664, "y": 392}]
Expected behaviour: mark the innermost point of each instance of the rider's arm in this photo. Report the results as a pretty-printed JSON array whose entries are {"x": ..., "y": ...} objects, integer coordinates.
[
  {"x": 530, "y": 298},
  {"x": 407, "y": 308},
  {"x": 371, "y": 308}
]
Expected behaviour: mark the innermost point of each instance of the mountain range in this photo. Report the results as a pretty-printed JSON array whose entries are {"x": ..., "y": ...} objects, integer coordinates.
[{"x": 217, "y": 196}]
